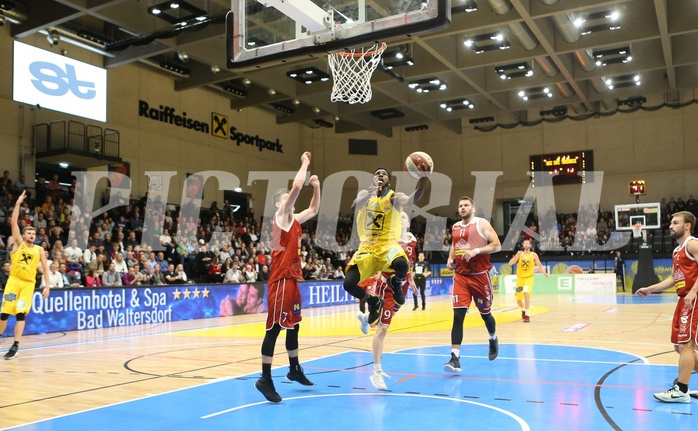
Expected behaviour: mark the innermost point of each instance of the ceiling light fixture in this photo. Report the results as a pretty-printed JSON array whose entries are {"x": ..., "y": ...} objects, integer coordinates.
[
  {"x": 535, "y": 93},
  {"x": 428, "y": 84},
  {"x": 324, "y": 123},
  {"x": 481, "y": 120},
  {"x": 271, "y": 92},
  {"x": 174, "y": 67},
  {"x": 632, "y": 101},
  {"x": 470, "y": 6},
  {"x": 183, "y": 56},
  {"x": 487, "y": 42},
  {"x": 416, "y": 128},
  {"x": 621, "y": 81},
  {"x": 215, "y": 69},
  {"x": 598, "y": 21},
  {"x": 230, "y": 88},
  {"x": 514, "y": 70},
  {"x": 316, "y": 109},
  {"x": 396, "y": 58},
  {"x": 308, "y": 75},
  {"x": 177, "y": 12},
  {"x": 283, "y": 108},
  {"x": 456, "y": 104},
  {"x": 605, "y": 57},
  {"x": 246, "y": 82},
  {"x": 388, "y": 113},
  {"x": 557, "y": 111}
]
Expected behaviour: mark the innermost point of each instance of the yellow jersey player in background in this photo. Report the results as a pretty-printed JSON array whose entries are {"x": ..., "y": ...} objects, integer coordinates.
[
  {"x": 25, "y": 258},
  {"x": 526, "y": 259}
]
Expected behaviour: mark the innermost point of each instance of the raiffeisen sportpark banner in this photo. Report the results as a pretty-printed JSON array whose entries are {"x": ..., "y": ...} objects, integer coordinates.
[{"x": 81, "y": 308}]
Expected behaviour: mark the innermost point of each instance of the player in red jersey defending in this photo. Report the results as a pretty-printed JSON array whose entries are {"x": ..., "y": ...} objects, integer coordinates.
[
  {"x": 474, "y": 239},
  {"x": 284, "y": 298},
  {"x": 384, "y": 290}
]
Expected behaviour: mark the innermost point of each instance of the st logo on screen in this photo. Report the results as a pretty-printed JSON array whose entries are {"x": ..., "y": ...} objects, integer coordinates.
[{"x": 53, "y": 80}]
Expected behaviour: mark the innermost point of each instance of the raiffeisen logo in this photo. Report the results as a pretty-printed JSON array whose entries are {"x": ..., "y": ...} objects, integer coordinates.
[
  {"x": 219, "y": 123},
  {"x": 167, "y": 114}
]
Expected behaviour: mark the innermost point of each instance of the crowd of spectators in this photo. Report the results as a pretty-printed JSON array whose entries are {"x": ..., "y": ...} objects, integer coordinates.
[{"x": 119, "y": 251}]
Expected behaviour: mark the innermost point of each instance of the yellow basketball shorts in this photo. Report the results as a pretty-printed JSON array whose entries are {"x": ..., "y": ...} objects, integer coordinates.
[
  {"x": 376, "y": 257},
  {"x": 17, "y": 297}
]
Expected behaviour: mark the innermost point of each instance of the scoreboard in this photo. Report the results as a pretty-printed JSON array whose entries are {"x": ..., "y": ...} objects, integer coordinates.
[{"x": 566, "y": 168}]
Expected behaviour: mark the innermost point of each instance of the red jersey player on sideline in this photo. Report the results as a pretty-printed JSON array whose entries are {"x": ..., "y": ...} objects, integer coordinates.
[
  {"x": 284, "y": 298},
  {"x": 685, "y": 324}
]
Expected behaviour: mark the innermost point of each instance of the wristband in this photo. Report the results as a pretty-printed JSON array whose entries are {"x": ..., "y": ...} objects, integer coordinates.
[{"x": 477, "y": 251}]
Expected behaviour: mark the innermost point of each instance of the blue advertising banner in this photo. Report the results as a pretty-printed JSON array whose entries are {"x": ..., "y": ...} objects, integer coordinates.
[{"x": 79, "y": 309}]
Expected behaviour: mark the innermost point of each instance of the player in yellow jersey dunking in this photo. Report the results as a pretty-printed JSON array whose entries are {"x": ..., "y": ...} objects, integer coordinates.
[
  {"x": 25, "y": 257},
  {"x": 379, "y": 226},
  {"x": 526, "y": 259}
]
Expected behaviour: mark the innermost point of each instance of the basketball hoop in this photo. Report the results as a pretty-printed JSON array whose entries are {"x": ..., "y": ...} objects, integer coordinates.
[
  {"x": 351, "y": 73},
  {"x": 637, "y": 230}
]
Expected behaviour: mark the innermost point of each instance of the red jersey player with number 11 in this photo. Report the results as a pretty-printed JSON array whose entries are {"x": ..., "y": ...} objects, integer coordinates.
[{"x": 474, "y": 239}]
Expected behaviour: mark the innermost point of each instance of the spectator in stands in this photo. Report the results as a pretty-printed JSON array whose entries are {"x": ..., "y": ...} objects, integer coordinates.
[
  {"x": 4, "y": 274},
  {"x": 73, "y": 253},
  {"x": 181, "y": 275},
  {"x": 132, "y": 277},
  {"x": 671, "y": 206},
  {"x": 6, "y": 182},
  {"x": 98, "y": 264},
  {"x": 130, "y": 258},
  {"x": 250, "y": 275},
  {"x": 157, "y": 277},
  {"x": 263, "y": 274},
  {"x": 92, "y": 279},
  {"x": 69, "y": 280},
  {"x": 233, "y": 274},
  {"x": 691, "y": 205},
  {"x": 145, "y": 274},
  {"x": 89, "y": 254},
  {"x": 214, "y": 274},
  {"x": 120, "y": 264},
  {"x": 111, "y": 278},
  {"x": 55, "y": 278}
]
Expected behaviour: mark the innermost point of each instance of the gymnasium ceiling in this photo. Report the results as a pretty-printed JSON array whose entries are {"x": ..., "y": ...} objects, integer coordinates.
[{"x": 652, "y": 42}]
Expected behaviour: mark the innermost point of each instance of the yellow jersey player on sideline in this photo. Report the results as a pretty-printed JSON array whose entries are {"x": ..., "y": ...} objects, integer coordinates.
[
  {"x": 25, "y": 257},
  {"x": 524, "y": 277}
]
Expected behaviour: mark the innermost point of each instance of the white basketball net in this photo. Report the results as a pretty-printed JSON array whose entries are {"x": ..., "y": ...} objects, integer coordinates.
[
  {"x": 637, "y": 230},
  {"x": 351, "y": 72}
]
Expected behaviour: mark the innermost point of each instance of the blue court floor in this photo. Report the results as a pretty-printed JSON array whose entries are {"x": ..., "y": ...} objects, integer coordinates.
[{"x": 529, "y": 387}]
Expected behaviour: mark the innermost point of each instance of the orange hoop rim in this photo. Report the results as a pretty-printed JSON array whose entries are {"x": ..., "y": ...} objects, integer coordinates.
[{"x": 371, "y": 52}]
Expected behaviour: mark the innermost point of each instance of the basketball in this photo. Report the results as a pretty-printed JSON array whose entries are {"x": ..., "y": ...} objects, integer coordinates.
[{"x": 419, "y": 164}]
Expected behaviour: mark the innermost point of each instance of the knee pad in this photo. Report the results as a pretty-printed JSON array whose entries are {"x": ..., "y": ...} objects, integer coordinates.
[
  {"x": 20, "y": 317},
  {"x": 4, "y": 316}
]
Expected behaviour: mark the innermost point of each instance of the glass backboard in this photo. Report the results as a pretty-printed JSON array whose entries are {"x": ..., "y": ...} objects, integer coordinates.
[
  {"x": 649, "y": 215},
  {"x": 277, "y": 30}
]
